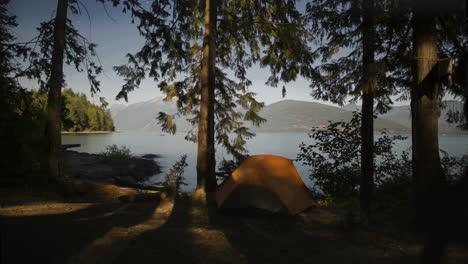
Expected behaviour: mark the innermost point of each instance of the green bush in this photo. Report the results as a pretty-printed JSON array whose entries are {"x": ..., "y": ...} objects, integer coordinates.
[
  {"x": 114, "y": 153},
  {"x": 174, "y": 179},
  {"x": 128, "y": 167},
  {"x": 334, "y": 158}
]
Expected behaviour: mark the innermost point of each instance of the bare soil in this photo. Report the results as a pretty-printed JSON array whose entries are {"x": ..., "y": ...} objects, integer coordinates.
[{"x": 41, "y": 230}]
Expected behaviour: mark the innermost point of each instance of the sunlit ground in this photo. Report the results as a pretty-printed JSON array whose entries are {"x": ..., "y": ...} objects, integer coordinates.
[{"x": 164, "y": 231}]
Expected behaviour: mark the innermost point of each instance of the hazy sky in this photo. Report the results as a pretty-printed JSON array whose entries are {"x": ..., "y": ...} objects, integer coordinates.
[{"x": 116, "y": 36}]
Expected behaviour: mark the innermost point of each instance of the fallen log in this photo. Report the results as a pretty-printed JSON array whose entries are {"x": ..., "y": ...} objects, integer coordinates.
[
  {"x": 67, "y": 146},
  {"x": 128, "y": 184},
  {"x": 143, "y": 197},
  {"x": 107, "y": 192}
]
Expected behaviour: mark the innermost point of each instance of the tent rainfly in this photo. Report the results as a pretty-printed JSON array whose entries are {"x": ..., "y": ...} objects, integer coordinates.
[{"x": 266, "y": 182}]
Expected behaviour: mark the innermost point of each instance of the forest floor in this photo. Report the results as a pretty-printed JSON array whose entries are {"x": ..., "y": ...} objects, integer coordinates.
[{"x": 37, "y": 229}]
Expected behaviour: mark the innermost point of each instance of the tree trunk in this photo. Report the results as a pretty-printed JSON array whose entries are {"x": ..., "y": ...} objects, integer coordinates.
[
  {"x": 367, "y": 123},
  {"x": 466, "y": 82},
  {"x": 466, "y": 69},
  {"x": 53, "y": 125},
  {"x": 430, "y": 184},
  {"x": 206, "y": 178}
]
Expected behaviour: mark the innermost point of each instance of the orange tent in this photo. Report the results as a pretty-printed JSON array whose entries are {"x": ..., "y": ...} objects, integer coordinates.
[{"x": 266, "y": 182}]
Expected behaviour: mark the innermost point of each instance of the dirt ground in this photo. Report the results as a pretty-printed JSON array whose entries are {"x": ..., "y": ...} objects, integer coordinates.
[{"x": 166, "y": 231}]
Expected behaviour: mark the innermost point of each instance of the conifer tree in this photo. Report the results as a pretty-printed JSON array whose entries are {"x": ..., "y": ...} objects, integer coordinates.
[
  {"x": 59, "y": 42},
  {"x": 54, "y": 85},
  {"x": 187, "y": 51},
  {"x": 452, "y": 32},
  {"x": 429, "y": 180},
  {"x": 368, "y": 88},
  {"x": 14, "y": 115},
  {"x": 356, "y": 41}
]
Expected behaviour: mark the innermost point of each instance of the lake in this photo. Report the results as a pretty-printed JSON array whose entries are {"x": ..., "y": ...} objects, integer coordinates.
[{"x": 171, "y": 147}]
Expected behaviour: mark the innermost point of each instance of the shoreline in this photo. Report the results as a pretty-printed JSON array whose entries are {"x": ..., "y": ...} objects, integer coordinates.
[
  {"x": 443, "y": 134},
  {"x": 109, "y": 169},
  {"x": 88, "y": 132}
]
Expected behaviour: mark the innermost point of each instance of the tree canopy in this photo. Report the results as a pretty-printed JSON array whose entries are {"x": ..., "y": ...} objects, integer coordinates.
[
  {"x": 82, "y": 115},
  {"x": 267, "y": 32}
]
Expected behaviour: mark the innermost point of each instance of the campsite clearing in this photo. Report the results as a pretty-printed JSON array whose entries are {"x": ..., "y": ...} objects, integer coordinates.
[{"x": 165, "y": 231}]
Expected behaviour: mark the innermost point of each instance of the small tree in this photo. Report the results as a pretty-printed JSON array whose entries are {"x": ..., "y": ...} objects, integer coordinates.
[
  {"x": 335, "y": 157},
  {"x": 174, "y": 179},
  {"x": 58, "y": 42}
]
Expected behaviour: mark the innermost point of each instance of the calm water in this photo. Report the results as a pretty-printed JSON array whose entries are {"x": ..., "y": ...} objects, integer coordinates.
[{"x": 171, "y": 147}]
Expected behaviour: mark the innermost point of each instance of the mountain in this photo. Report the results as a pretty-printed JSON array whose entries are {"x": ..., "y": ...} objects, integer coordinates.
[
  {"x": 402, "y": 115},
  {"x": 142, "y": 115},
  {"x": 301, "y": 116},
  {"x": 283, "y": 116},
  {"x": 116, "y": 108},
  {"x": 352, "y": 107}
]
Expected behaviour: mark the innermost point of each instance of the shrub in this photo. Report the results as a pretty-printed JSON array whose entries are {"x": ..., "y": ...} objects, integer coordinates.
[
  {"x": 128, "y": 167},
  {"x": 335, "y": 157},
  {"x": 114, "y": 153},
  {"x": 226, "y": 167},
  {"x": 174, "y": 179}
]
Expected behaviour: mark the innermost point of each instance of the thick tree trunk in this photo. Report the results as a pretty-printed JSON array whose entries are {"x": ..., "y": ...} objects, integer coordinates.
[
  {"x": 367, "y": 122},
  {"x": 466, "y": 68},
  {"x": 206, "y": 178},
  {"x": 53, "y": 125},
  {"x": 466, "y": 82},
  {"x": 437, "y": 238},
  {"x": 430, "y": 184}
]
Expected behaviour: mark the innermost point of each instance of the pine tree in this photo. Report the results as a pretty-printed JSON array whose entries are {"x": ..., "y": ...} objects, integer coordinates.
[
  {"x": 356, "y": 41},
  {"x": 206, "y": 163},
  {"x": 59, "y": 42},
  {"x": 368, "y": 88},
  {"x": 187, "y": 49},
  {"x": 54, "y": 85},
  {"x": 453, "y": 43},
  {"x": 429, "y": 179},
  {"x": 79, "y": 114},
  {"x": 16, "y": 117}
]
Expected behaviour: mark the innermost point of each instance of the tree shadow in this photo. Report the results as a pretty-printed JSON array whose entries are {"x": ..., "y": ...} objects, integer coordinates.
[
  {"x": 169, "y": 243},
  {"x": 262, "y": 237},
  {"x": 54, "y": 238},
  {"x": 234, "y": 236}
]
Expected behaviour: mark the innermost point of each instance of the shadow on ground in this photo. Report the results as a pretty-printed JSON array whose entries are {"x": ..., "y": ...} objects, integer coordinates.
[
  {"x": 54, "y": 238},
  {"x": 312, "y": 237},
  {"x": 192, "y": 233}
]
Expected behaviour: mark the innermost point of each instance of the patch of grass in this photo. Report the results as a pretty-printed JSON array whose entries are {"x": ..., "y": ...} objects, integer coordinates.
[
  {"x": 128, "y": 166},
  {"x": 115, "y": 154}
]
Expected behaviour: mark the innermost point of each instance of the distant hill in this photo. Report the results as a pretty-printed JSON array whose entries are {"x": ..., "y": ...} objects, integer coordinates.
[
  {"x": 283, "y": 116},
  {"x": 142, "y": 115},
  {"x": 402, "y": 115},
  {"x": 116, "y": 108},
  {"x": 301, "y": 116},
  {"x": 352, "y": 107}
]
